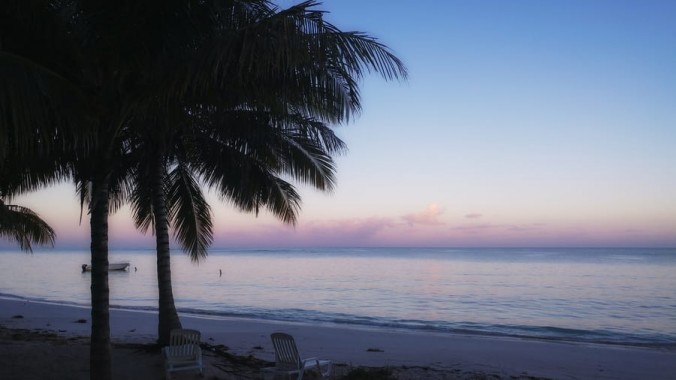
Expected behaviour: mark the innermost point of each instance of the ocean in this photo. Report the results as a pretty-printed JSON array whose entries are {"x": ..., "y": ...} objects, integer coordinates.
[{"x": 612, "y": 295}]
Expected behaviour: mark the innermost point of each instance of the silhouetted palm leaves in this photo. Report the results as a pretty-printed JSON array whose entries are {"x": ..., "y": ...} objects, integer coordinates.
[
  {"x": 22, "y": 225},
  {"x": 165, "y": 96}
]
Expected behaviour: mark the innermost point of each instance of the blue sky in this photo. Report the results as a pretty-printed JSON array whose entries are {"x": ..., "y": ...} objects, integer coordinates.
[{"x": 522, "y": 123}]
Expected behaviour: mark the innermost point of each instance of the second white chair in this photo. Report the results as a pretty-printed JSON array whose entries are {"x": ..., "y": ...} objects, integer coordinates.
[
  {"x": 183, "y": 351},
  {"x": 288, "y": 361}
]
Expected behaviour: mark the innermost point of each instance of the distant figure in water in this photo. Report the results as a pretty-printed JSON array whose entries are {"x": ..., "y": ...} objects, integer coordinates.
[
  {"x": 135, "y": 269},
  {"x": 220, "y": 273},
  {"x": 84, "y": 267}
]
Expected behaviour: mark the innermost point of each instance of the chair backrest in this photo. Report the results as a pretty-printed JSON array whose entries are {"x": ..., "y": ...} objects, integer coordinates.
[
  {"x": 286, "y": 353},
  {"x": 182, "y": 342}
]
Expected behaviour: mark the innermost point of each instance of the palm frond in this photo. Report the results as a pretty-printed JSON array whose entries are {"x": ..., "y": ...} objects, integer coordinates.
[
  {"x": 141, "y": 202},
  {"x": 303, "y": 60},
  {"x": 24, "y": 226},
  {"x": 83, "y": 188},
  {"x": 20, "y": 174},
  {"x": 189, "y": 212},
  {"x": 246, "y": 180},
  {"x": 42, "y": 107},
  {"x": 284, "y": 144}
]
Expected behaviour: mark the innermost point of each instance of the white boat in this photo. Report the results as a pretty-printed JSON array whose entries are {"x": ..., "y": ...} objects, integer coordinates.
[{"x": 111, "y": 266}]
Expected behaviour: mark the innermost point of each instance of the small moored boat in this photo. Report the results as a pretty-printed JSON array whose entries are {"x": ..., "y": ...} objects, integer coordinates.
[{"x": 111, "y": 266}]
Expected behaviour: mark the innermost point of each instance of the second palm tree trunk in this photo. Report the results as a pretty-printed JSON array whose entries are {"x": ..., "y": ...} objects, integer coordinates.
[{"x": 168, "y": 317}]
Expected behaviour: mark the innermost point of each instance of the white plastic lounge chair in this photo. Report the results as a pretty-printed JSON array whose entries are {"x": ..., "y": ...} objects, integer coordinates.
[
  {"x": 183, "y": 351},
  {"x": 288, "y": 361}
]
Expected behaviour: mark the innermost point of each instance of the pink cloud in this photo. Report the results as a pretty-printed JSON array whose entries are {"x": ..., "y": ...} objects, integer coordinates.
[
  {"x": 336, "y": 233},
  {"x": 425, "y": 227},
  {"x": 342, "y": 229},
  {"x": 524, "y": 227},
  {"x": 429, "y": 216},
  {"x": 476, "y": 228}
]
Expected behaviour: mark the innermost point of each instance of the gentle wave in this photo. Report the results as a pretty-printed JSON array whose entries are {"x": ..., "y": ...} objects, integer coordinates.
[
  {"x": 612, "y": 296},
  {"x": 665, "y": 341}
]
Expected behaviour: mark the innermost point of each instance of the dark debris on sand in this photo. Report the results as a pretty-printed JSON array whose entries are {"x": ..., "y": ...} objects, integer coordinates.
[
  {"x": 249, "y": 367},
  {"x": 225, "y": 365}
]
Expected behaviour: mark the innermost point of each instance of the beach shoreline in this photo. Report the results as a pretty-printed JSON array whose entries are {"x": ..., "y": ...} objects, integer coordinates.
[
  {"x": 353, "y": 346},
  {"x": 504, "y": 293}
]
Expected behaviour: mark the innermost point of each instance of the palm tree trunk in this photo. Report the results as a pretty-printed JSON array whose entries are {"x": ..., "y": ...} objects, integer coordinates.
[
  {"x": 100, "y": 350},
  {"x": 168, "y": 317}
]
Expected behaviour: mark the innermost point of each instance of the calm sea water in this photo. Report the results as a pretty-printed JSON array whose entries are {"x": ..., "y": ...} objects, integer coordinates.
[{"x": 623, "y": 296}]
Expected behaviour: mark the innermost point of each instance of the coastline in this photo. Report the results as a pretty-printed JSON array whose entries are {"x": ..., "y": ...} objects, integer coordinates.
[
  {"x": 521, "y": 293},
  {"x": 354, "y": 346}
]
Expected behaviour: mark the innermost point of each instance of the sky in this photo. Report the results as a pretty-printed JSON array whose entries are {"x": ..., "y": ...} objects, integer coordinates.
[{"x": 523, "y": 123}]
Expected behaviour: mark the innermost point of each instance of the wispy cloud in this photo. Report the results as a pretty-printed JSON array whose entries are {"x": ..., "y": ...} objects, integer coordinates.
[
  {"x": 524, "y": 227},
  {"x": 477, "y": 228},
  {"x": 429, "y": 216},
  {"x": 347, "y": 229},
  {"x": 473, "y": 216},
  {"x": 397, "y": 231},
  {"x": 336, "y": 233}
]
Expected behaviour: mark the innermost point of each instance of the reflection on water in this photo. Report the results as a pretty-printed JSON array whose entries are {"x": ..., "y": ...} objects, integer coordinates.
[{"x": 629, "y": 293}]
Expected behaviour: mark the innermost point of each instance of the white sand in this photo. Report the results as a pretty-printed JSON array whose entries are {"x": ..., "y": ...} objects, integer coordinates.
[{"x": 350, "y": 345}]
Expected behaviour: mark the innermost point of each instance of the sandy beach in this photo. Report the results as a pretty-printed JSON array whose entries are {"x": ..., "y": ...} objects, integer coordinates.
[{"x": 41, "y": 340}]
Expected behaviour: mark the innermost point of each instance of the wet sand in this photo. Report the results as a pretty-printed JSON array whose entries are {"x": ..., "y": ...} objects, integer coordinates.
[{"x": 40, "y": 340}]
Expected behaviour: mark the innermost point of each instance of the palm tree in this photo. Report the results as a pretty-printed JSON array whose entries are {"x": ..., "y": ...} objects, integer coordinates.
[
  {"x": 40, "y": 125},
  {"x": 65, "y": 94},
  {"x": 89, "y": 68},
  {"x": 243, "y": 162},
  {"x": 250, "y": 128}
]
